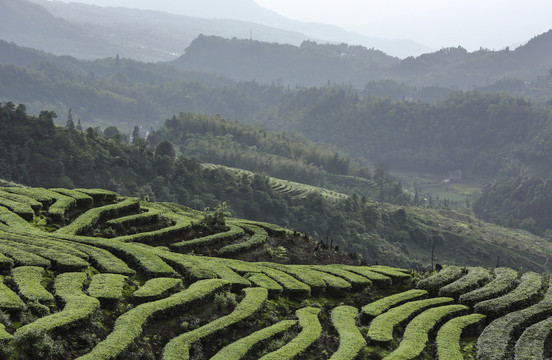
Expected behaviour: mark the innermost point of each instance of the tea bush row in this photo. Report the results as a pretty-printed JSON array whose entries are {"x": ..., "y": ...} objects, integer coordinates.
[
  {"x": 522, "y": 296},
  {"x": 88, "y": 219},
  {"x": 310, "y": 332},
  {"x": 258, "y": 238},
  {"x": 531, "y": 344},
  {"x": 436, "y": 281},
  {"x": 381, "y": 328},
  {"x": 416, "y": 334},
  {"x": 28, "y": 281},
  {"x": 239, "y": 348},
  {"x": 380, "y": 306},
  {"x": 497, "y": 338},
  {"x": 351, "y": 340},
  {"x": 107, "y": 287},
  {"x": 157, "y": 288},
  {"x": 448, "y": 337},
  {"x": 129, "y": 326},
  {"x": 475, "y": 278},
  {"x": 179, "y": 347},
  {"x": 78, "y": 308},
  {"x": 234, "y": 233},
  {"x": 504, "y": 281}
]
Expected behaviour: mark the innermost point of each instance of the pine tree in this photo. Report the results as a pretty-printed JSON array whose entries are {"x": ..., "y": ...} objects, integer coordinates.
[{"x": 70, "y": 123}]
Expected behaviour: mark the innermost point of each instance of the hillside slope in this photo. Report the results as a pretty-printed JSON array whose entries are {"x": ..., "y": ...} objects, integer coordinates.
[
  {"x": 42, "y": 154},
  {"x": 31, "y": 25},
  {"x": 87, "y": 274}
]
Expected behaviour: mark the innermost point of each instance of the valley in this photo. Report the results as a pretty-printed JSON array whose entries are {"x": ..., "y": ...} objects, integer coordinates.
[{"x": 230, "y": 183}]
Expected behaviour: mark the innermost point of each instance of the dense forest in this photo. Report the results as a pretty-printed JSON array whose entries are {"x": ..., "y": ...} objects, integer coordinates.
[
  {"x": 122, "y": 92},
  {"x": 216, "y": 140},
  {"x": 480, "y": 133},
  {"x": 521, "y": 202}
]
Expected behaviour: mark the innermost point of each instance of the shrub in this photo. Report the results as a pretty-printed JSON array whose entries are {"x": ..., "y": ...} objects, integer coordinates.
[
  {"x": 87, "y": 220},
  {"x": 312, "y": 279},
  {"x": 496, "y": 340},
  {"x": 238, "y": 349},
  {"x": 531, "y": 344},
  {"x": 128, "y": 326},
  {"x": 232, "y": 234},
  {"x": 34, "y": 204},
  {"x": 257, "y": 239},
  {"x": 179, "y": 347},
  {"x": 505, "y": 280},
  {"x": 8, "y": 299},
  {"x": 351, "y": 340},
  {"x": 377, "y": 279},
  {"x": 83, "y": 200},
  {"x": 6, "y": 263},
  {"x": 107, "y": 287},
  {"x": 28, "y": 280},
  {"x": 22, "y": 258},
  {"x": 356, "y": 281},
  {"x": 447, "y": 275},
  {"x": 381, "y": 328},
  {"x": 121, "y": 223},
  {"x": 310, "y": 332},
  {"x": 23, "y": 210},
  {"x": 475, "y": 278},
  {"x": 448, "y": 337},
  {"x": 378, "y": 307},
  {"x": 394, "y": 273},
  {"x": 99, "y": 195},
  {"x": 157, "y": 288},
  {"x": 292, "y": 286},
  {"x": 417, "y": 331},
  {"x": 78, "y": 308},
  {"x": 261, "y": 280},
  {"x": 526, "y": 292}
]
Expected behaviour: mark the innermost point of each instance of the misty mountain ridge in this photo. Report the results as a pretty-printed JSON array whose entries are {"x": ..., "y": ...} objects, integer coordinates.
[
  {"x": 162, "y": 35},
  {"x": 313, "y": 64},
  {"x": 31, "y": 25}
]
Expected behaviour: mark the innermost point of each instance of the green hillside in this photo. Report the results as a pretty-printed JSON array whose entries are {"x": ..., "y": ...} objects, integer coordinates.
[
  {"x": 44, "y": 155},
  {"x": 87, "y": 274}
]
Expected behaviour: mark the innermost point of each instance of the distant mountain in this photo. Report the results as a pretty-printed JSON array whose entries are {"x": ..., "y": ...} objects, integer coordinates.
[
  {"x": 158, "y": 36},
  {"x": 309, "y": 64},
  {"x": 32, "y": 25},
  {"x": 162, "y": 34},
  {"x": 312, "y": 64}
]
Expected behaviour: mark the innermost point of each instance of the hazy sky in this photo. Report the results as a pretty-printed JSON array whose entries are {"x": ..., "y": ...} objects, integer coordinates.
[
  {"x": 437, "y": 23},
  {"x": 492, "y": 24}
]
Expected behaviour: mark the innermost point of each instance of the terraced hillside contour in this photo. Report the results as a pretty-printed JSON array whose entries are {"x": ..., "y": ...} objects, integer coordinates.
[{"x": 86, "y": 274}]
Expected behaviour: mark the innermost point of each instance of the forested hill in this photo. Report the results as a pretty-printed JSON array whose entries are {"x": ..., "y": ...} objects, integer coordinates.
[
  {"x": 475, "y": 132},
  {"x": 312, "y": 64},
  {"x": 122, "y": 92},
  {"x": 479, "y": 133},
  {"x": 32, "y": 25},
  {"x": 307, "y": 65},
  {"x": 231, "y": 143},
  {"x": 521, "y": 202}
]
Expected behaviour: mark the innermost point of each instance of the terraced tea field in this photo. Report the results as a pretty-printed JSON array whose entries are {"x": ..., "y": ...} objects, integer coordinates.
[
  {"x": 292, "y": 188},
  {"x": 87, "y": 274}
]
